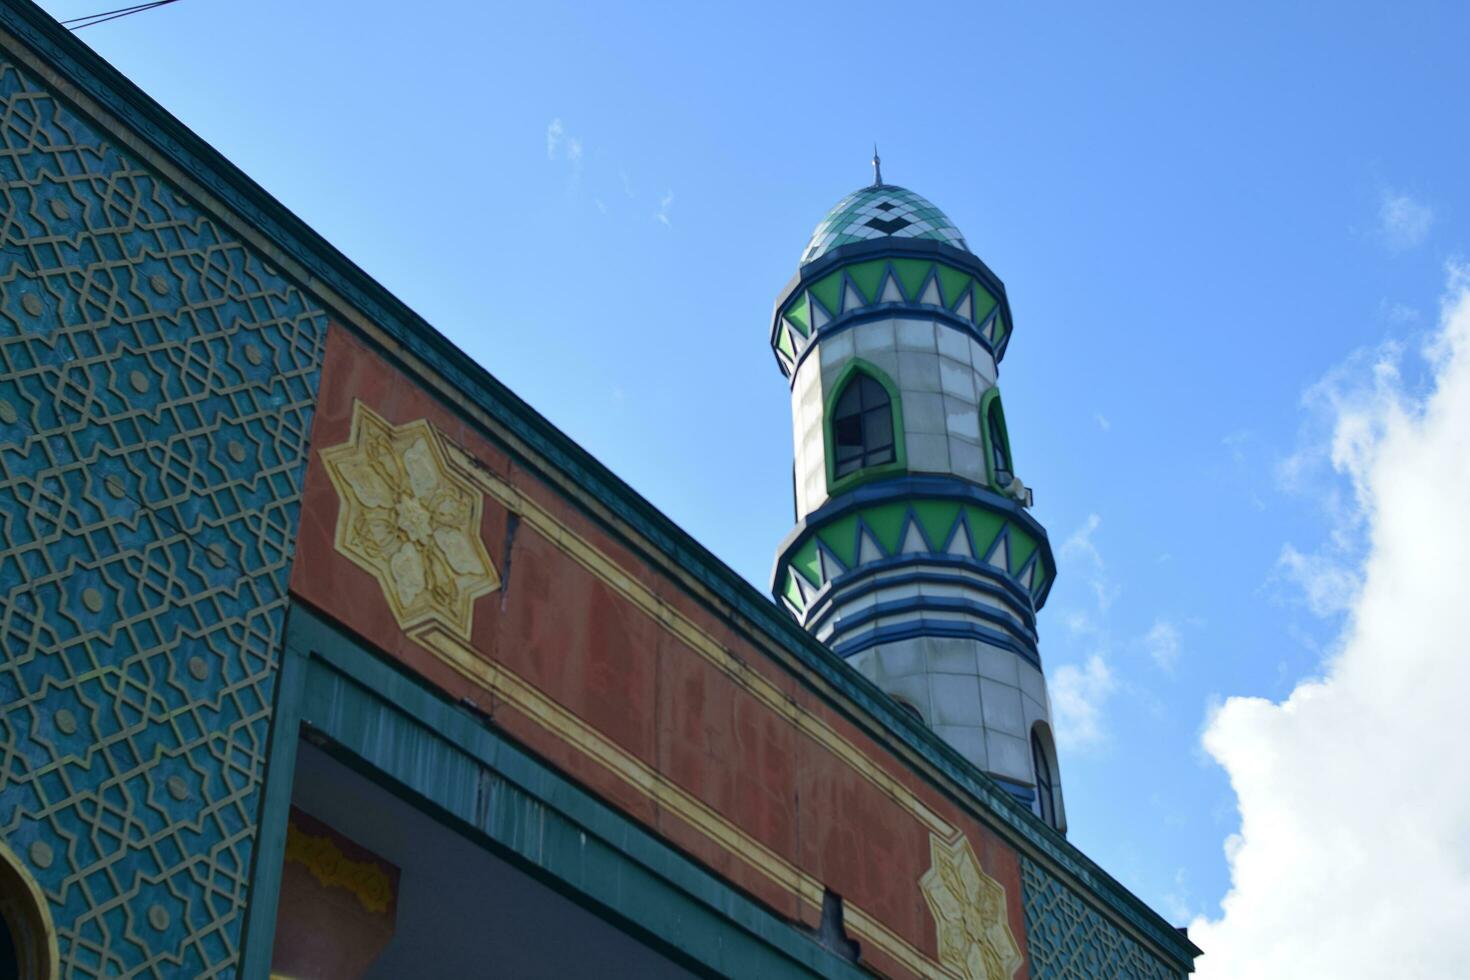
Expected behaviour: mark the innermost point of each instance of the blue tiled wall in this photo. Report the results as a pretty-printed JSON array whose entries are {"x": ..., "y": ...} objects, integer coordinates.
[
  {"x": 1066, "y": 939},
  {"x": 157, "y": 381}
]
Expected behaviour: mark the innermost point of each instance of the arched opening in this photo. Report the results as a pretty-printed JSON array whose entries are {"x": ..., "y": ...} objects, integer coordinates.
[
  {"x": 862, "y": 426},
  {"x": 997, "y": 441},
  {"x": 1044, "y": 765},
  {"x": 27, "y": 940}
]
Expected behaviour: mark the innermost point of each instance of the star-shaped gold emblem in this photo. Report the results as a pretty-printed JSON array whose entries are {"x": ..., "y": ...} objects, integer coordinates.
[
  {"x": 969, "y": 909},
  {"x": 411, "y": 521}
]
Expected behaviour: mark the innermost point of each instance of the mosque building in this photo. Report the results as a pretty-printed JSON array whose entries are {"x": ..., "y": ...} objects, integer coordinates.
[{"x": 324, "y": 656}]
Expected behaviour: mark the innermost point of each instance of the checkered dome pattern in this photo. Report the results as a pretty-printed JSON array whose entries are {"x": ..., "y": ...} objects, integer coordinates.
[{"x": 882, "y": 211}]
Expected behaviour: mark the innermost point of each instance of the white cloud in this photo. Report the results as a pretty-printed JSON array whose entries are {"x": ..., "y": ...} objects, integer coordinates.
[
  {"x": 664, "y": 204},
  {"x": 1081, "y": 546},
  {"x": 1102, "y": 422},
  {"x": 1176, "y": 899},
  {"x": 1398, "y": 312},
  {"x": 1353, "y": 854},
  {"x": 1327, "y": 583},
  {"x": 1403, "y": 221},
  {"x": 1162, "y": 643},
  {"x": 560, "y": 145},
  {"x": 1077, "y": 698},
  {"x": 1236, "y": 442}
]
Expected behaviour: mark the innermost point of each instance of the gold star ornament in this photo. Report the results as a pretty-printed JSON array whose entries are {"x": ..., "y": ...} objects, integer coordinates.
[
  {"x": 969, "y": 909},
  {"x": 410, "y": 520}
]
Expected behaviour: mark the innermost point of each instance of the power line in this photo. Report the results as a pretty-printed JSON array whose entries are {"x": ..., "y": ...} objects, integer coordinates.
[{"x": 92, "y": 20}]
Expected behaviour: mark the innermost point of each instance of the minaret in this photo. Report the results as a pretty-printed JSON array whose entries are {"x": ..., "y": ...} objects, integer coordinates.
[{"x": 914, "y": 555}]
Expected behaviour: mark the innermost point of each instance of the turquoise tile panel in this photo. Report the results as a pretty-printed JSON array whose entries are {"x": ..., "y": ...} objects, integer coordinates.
[
  {"x": 1067, "y": 939},
  {"x": 157, "y": 382}
]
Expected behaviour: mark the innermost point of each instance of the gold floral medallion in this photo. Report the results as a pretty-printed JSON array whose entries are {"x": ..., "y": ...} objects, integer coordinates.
[
  {"x": 409, "y": 519},
  {"x": 969, "y": 909}
]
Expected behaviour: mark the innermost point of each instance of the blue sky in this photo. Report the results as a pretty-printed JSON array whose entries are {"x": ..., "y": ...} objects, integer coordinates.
[{"x": 1199, "y": 215}]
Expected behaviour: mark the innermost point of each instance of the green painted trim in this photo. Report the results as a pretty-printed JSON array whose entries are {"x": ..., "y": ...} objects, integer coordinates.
[
  {"x": 152, "y": 130},
  {"x": 912, "y": 274},
  {"x": 840, "y": 537},
  {"x": 984, "y": 303},
  {"x": 828, "y": 291},
  {"x": 887, "y": 521},
  {"x": 799, "y": 315},
  {"x": 1023, "y": 546},
  {"x": 783, "y": 343},
  {"x": 867, "y": 278},
  {"x": 900, "y": 464},
  {"x": 397, "y": 729},
  {"x": 936, "y": 519},
  {"x": 792, "y": 592},
  {"x": 953, "y": 283},
  {"x": 985, "y": 527},
  {"x": 992, "y": 396},
  {"x": 805, "y": 562},
  {"x": 259, "y": 938}
]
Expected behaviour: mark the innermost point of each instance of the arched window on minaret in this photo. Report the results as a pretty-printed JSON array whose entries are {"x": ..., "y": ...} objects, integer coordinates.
[
  {"x": 1046, "y": 799},
  {"x": 862, "y": 426},
  {"x": 997, "y": 441}
]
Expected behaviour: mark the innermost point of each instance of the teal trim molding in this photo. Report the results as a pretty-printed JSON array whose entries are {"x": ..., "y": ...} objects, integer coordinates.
[
  {"x": 544, "y": 450},
  {"x": 836, "y": 484},
  {"x": 418, "y": 745}
]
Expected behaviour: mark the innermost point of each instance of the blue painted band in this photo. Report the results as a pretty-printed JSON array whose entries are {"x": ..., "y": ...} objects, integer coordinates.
[
  {"x": 870, "y": 578},
  {"x": 924, "y": 626},
  {"x": 1024, "y": 794},
  {"x": 849, "y": 628}
]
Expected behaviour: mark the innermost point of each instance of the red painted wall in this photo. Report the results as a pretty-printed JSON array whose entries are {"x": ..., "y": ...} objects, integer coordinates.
[{"x": 608, "y": 662}]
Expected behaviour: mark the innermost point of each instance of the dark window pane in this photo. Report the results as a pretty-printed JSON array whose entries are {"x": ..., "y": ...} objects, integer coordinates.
[
  {"x": 1044, "y": 793},
  {"x": 878, "y": 429},
  {"x": 862, "y": 426},
  {"x": 999, "y": 458}
]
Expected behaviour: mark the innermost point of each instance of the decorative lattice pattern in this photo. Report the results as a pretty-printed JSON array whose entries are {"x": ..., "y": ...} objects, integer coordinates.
[
  {"x": 1067, "y": 939},
  {"x": 883, "y": 211},
  {"x": 156, "y": 389}
]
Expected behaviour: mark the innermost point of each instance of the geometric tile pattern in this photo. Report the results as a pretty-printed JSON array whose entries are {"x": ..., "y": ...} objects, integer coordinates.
[
  {"x": 881, "y": 531},
  {"x": 881, "y": 211},
  {"x": 909, "y": 282},
  {"x": 1068, "y": 940},
  {"x": 157, "y": 382}
]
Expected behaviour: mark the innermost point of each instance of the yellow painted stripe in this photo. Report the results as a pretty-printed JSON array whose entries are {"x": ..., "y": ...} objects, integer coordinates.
[
  {"x": 648, "y": 781},
  {"x": 693, "y": 636},
  {"x": 562, "y": 723}
]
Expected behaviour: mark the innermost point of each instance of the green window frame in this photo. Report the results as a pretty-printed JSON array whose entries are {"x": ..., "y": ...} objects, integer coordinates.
[
  {"x": 899, "y": 464},
  {"x": 992, "y": 431}
]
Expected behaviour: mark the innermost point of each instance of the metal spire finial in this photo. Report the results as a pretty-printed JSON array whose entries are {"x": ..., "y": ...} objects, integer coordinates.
[{"x": 877, "y": 168}]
